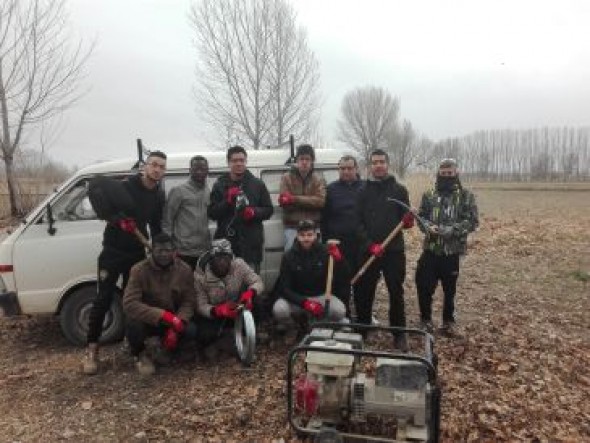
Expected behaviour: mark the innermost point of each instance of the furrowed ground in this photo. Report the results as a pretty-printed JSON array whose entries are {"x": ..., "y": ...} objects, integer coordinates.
[{"x": 520, "y": 371}]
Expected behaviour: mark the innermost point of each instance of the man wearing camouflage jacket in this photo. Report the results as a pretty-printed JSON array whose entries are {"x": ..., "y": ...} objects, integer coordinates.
[{"x": 450, "y": 214}]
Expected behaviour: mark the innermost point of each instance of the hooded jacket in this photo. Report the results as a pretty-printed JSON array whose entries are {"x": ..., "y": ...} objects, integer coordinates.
[
  {"x": 212, "y": 290},
  {"x": 246, "y": 237},
  {"x": 378, "y": 215},
  {"x": 456, "y": 214}
]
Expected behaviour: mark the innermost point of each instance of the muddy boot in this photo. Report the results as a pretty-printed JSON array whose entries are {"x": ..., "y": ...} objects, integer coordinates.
[
  {"x": 144, "y": 364},
  {"x": 90, "y": 361}
]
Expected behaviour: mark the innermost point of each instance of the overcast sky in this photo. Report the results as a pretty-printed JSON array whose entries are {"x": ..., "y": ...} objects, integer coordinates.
[{"x": 456, "y": 66}]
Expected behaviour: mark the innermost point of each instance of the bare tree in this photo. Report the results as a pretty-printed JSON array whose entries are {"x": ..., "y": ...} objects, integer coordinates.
[
  {"x": 255, "y": 71},
  {"x": 404, "y": 147},
  {"x": 369, "y": 117},
  {"x": 39, "y": 74}
]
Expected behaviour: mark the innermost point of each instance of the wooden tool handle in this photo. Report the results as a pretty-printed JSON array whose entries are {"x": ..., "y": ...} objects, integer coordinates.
[
  {"x": 144, "y": 241},
  {"x": 329, "y": 278},
  {"x": 372, "y": 258}
]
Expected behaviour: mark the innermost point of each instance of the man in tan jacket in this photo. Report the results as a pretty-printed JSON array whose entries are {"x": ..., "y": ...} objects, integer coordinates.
[
  {"x": 158, "y": 301},
  {"x": 302, "y": 193}
]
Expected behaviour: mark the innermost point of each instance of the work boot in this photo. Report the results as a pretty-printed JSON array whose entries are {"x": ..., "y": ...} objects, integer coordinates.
[
  {"x": 400, "y": 342},
  {"x": 144, "y": 364},
  {"x": 449, "y": 328},
  {"x": 90, "y": 361},
  {"x": 427, "y": 326}
]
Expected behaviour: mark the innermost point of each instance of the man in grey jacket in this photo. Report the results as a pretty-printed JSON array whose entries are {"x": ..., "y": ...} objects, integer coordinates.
[{"x": 185, "y": 214}]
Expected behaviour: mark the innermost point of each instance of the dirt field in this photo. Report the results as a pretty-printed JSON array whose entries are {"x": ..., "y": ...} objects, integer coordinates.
[{"x": 520, "y": 371}]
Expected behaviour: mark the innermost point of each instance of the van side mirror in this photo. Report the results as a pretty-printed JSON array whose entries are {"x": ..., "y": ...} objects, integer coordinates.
[{"x": 51, "y": 229}]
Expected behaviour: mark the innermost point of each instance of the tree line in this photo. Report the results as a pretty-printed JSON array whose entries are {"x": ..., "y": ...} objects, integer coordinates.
[{"x": 548, "y": 153}]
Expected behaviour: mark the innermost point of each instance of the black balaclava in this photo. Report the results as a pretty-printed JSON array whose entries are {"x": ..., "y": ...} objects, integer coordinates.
[{"x": 447, "y": 184}]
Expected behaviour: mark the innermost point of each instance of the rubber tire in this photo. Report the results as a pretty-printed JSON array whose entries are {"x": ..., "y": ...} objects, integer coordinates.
[{"x": 73, "y": 317}]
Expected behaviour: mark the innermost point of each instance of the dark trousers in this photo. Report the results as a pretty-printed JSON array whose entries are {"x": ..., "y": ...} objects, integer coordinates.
[
  {"x": 350, "y": 250},
  {"x": 432, "y": 268},
  {"x": 393, "y": 267},
  {"x": 209, "y": 330},
  {"x": 111, "y": 266},
  {"x": 137, "y": 332}
]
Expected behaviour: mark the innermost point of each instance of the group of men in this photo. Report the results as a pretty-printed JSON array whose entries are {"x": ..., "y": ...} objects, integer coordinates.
[{"x": 191, "y": 287}]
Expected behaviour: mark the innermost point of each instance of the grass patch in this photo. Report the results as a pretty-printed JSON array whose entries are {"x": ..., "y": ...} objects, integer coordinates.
[{"x": 580, "y": 275}]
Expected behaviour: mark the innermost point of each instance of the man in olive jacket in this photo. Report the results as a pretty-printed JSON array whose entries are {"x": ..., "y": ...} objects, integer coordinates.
[
  {"x": 450, "y": 214},
  {"x": 158, "y": 301},
  {"x": 240, "y": 203}
]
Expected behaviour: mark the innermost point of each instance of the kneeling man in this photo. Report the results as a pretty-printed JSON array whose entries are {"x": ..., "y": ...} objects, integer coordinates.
[
  {"x": 302, "y": 281},
  {"x": 158, "y": 301},
  {"x": 222, "y": 282}
]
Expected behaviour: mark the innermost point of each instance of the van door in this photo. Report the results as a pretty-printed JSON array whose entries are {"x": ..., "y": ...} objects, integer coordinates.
[
  {"x": 274, "y": 241},
  {"x": 50, "y": 257}
]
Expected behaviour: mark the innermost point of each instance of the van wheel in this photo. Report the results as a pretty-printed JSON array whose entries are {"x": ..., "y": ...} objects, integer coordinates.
[{"x": 75, "y": 313}]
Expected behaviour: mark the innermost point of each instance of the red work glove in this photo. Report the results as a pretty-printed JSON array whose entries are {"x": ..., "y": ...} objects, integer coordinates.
[
  {"x": 286, "y": 199},
  {"x": 313, "y": 307},
  {"x": 231, "y": 194},
  {"x": 248, "y": 213},
  {"x": 225, "y": 310},
  {"x": 246, "y": 298},
  {"x": 376, "y": 249},
  {"x": 173, "y": 321},
  {"x": 408, "y": 220},
  {"x": 127, "y": 224},
  {"x": 170, "y": 339}
]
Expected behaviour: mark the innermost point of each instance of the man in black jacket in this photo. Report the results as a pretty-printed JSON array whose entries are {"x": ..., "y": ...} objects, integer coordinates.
[
  {"x": 378, "y": 214},
  {"x": 339, "y": 217},
  {"x": 240, "y": 203},
  {"x": 121, "y": 248},
  {"x": 302, "y": 282}
]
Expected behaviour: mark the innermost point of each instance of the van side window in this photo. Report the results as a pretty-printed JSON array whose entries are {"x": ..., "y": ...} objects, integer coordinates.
[
  {"x": 74, "y": 204},
  {"x": 329, "y": 175},
  {"x": 272, "y": 180}
]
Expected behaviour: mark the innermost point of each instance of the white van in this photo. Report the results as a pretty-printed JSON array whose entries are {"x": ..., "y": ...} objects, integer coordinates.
[{"x": 48, "y": 263}]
